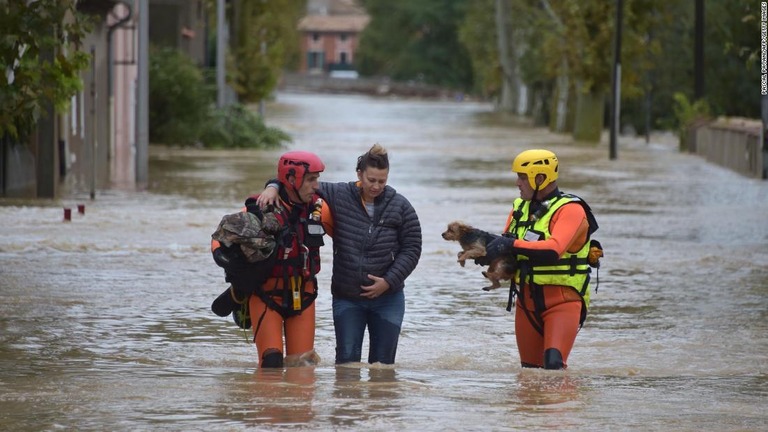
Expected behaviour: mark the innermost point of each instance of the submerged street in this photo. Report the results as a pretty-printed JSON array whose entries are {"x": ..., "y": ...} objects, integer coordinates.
[{"x": 105, "y": 321}]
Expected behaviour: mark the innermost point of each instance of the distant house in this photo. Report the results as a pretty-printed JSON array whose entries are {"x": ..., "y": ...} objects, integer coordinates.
[{"x": 330, "y": 34}]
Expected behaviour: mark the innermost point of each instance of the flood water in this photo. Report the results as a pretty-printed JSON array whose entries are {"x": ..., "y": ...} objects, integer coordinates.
[{"x": 105, "y": 321}]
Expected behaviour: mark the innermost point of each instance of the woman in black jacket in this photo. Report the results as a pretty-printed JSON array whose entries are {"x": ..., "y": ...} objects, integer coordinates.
[{"x": 376, "y": 245}]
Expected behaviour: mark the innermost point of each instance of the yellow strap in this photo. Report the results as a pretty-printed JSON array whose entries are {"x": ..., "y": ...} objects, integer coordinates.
[{"x": 296, "y": 290}]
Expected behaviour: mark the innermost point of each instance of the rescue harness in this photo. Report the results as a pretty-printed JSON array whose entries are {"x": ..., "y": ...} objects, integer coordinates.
[
  {"x": 572, "y": 269},
  {"x": 297, "y": 261}
]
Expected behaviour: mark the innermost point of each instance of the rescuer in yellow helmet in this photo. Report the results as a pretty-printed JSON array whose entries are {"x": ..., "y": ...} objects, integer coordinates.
[{"x": 548, "y": 233}]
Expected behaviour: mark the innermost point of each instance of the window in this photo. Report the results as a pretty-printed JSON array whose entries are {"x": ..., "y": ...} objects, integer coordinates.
[
  {"x": 315, "y": 37},
  {"x": 343, "y": 37},
  {"x": 315, "y": 60}
]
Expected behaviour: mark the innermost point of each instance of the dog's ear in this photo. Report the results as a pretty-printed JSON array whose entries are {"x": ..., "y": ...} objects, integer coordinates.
[{"x": 462, "y": 228}]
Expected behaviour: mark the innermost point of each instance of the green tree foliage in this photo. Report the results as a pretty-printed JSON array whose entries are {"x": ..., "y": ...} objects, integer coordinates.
[
  {"x": 687, "y": 113},
  {"x": 731, "y": 77},
  {"x": 181, "y": 109},
  {"x": 670, "y": 66},
  {"x": 548, "y": 35},
  {"x": 264, "y": 40},
  {"x": 415, "y": 40},
  {"x": 290, "y": 14},
  {"x": 41, "y": 58},
  {"x": 582, "y": 31},
  {"x": 478, "y": 34},
  {"x": 235, "y": 126},
  {"x": 657, "y": 52},
  {"x": 178, "y": 100},
  {"x": 585, "y": 40}
]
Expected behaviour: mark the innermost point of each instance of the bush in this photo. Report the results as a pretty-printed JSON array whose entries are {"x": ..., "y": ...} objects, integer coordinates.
[
  {"x": 236, "y": 126},
  {"x": 181, "y": 109},
  {"x": 178, "y": 101},
  {"x": 687, "y": 113}
]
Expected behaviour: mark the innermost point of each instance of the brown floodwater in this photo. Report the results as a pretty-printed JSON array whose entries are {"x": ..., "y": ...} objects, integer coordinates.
[{"x": 105, "y": 321}]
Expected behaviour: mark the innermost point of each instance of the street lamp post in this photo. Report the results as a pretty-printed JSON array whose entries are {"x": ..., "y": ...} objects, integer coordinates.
[
  {"x": 616, "y": 93},
  {"x": 221, "y": 46}
]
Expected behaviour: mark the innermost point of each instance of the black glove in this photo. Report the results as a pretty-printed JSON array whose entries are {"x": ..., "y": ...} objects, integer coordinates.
[
  {"x": 224, "y": 303},
  {"x": 482, "y": 261},
  {"x": 498, "y": 248},
  {"x": 230, "y": 259},
  {"x": 222, "y": 259}
]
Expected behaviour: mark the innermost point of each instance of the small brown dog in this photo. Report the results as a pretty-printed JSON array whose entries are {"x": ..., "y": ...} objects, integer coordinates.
[{"x": 473, "y": 242}]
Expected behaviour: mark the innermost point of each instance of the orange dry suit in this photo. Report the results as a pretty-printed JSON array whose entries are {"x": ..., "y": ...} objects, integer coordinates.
[
  {"x": 284, "y": 302},
  {"x": 552, "y": 245}
]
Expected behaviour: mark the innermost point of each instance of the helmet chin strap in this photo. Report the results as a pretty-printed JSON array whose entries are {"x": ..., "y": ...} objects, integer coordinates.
[
  {"x": 535, "y": 192},
  {"x": 298, "y": 195},
  {"x": 295, "y": 191}
]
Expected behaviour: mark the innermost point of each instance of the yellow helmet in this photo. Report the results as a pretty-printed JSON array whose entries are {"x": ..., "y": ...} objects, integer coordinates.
[{"x": 533, "y": 162}]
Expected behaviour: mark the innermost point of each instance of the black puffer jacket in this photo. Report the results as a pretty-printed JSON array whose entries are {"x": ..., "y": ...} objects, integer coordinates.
[{"x": 389, "y": 245}]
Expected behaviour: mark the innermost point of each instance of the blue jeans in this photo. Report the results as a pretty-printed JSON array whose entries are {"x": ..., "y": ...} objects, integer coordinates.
[{"x": 383, "y": 316}]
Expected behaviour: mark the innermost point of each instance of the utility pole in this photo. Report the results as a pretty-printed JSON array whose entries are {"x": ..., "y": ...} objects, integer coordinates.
[
  {"x": 46, "y": 160},
  {"x": 616, "y": 93},
  {"x": 764, "y": 86},
  {"x": 142, "y": 99},
  {"x": 698, "y": 52},
  {"x": 263, "y": 54},
  {"x": 221, "y": 47},
  {"x": 93, "y": 140}
]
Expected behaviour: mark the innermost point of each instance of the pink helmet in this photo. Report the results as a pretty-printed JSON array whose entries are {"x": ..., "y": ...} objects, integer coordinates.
[{"x": 298, "y": 164}]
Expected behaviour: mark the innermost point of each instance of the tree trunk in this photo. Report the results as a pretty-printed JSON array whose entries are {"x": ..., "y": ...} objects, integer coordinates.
[
  {"x": 508, "y": 98},
  {"x": 560, "y": 103},
  {"x": 590, "y": 108}
]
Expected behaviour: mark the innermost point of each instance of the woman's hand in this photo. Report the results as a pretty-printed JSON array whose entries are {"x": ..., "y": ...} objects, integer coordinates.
[
  {"x": 267, "y": 197},
  {"x": 379, "y": 287}
]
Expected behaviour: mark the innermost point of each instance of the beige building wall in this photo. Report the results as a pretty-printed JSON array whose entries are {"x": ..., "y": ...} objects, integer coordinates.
[{"x": 125, "y": 73}]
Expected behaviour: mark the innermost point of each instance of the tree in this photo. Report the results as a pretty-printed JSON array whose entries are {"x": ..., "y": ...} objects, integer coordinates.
[
  {"x": 179, "y": 103},
  {"x": 182, "y": 113},
  {"x": 731, "y": 79},
  {"x": 415, "y": 40},
  {"x": 575, "y": 49},
  {"x": 478, "y": 33},
  {"x": 263, "y": 40},
  {"x": 662, "y": 46},
  {"x": 584, "y": 46},
  {"x": 507, "y": 56},
  {"x": 40, "y": 50}
]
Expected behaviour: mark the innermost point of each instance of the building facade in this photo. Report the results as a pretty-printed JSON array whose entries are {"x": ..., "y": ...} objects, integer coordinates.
[
  {"x": 330, "y": 34},
  {"x": 100, "y": 141}
]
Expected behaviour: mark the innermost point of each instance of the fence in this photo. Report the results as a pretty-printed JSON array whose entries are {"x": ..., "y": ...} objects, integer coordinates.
[{"x": 734, "y": 143}]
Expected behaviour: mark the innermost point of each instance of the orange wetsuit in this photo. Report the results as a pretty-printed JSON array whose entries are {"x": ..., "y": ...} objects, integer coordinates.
[
  {"x": 273, "y": 309},
  {"x": 560, "y": 320}
]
